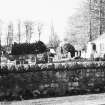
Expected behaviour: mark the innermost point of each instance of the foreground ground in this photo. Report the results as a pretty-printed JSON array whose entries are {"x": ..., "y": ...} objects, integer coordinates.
[{"x": 95, "y": 99}]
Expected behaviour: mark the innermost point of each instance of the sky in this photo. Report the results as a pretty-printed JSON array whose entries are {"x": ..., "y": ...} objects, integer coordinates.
[{"x": 48, "y": 12}]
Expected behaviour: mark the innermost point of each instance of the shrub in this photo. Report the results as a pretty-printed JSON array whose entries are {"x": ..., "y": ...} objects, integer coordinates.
[
  {"x": 28, "y": 48},
  {"x": 69, "y": 48}
]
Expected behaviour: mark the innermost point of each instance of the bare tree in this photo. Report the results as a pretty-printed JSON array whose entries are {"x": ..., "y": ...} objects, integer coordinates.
[
  {"x": 0, "y": 30},
  {"x": 53, "y": 39},
  {"x": 29, "y": 30},
  {"x": 10, "y": 34},
  {"x": 39, "y": 29},
  {"x": 87, "y": 24},
  {"x": 97, "y": 12},
  {"x": 19, "y": 31}
]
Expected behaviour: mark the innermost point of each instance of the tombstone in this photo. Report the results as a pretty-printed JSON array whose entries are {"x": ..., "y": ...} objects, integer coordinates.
[
  {"x": 79, "y": 53},
  {"x": 76, "y": 54},
  {"x": 69, "y": 55}
]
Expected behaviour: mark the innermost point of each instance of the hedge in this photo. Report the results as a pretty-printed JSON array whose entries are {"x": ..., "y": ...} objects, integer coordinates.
[{"x": 28, "y": 48}]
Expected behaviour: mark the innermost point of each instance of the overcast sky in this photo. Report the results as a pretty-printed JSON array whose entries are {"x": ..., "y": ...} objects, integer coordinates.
[{"x": 46, "y": 11}]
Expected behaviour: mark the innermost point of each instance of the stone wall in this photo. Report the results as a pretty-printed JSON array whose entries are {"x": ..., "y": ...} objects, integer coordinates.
[{"x": 52, "y": 83}]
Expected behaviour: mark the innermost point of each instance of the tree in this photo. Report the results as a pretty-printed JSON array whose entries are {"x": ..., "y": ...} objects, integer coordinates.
[
  {"x": 39, "y": 29},
  {"x": 19, "y": 31},
  {"x": 29, "y": 30},
  {"x": 0, "y": 31},
  {"x": 10, "y": 34},
  {"x": 87, "y": 24},
  {"x": 97, "y": 17},
  {"x": 69, "y": 48},
  {"x": 53, "y": 39}
]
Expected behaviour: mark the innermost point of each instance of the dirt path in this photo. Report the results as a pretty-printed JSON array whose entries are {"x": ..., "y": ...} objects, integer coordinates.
[{"x": 95, "y": 99}]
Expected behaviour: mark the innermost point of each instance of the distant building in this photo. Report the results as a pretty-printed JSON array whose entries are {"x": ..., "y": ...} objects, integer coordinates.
[
  {"x": 25, "y": 59},
  {"x": 95, "y": 48}
]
